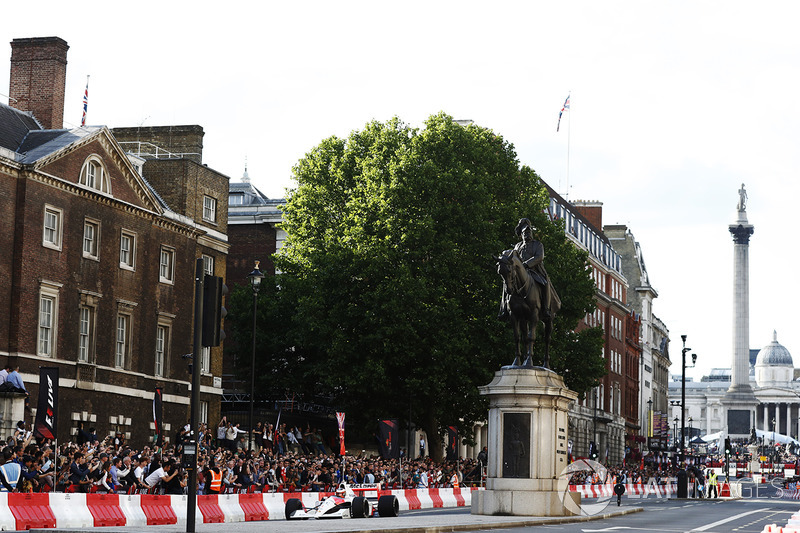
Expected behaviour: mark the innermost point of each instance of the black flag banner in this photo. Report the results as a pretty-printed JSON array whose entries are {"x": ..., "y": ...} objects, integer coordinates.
[
  {"x": 45, "y": 426},
  {"x": 157, "y": 415},
  {"x": 389, "y": 439},
  {"x": 452, "y": 443}
]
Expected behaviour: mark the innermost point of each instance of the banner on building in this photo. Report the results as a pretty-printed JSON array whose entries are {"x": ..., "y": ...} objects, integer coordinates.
[
  {"x": 45, "y": 426},
  {"x": 389, "y": 439},
  {"x": 340, "y": 421},
  {"x": 452, "y": 443},
  {"x": 157, "y": 416}
]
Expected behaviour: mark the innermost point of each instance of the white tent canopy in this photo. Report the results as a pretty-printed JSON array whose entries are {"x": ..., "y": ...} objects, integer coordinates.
[{"x": 769, "y": 436}]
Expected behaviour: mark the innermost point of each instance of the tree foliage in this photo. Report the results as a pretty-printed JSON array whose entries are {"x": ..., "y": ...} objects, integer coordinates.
[{"x": 389, "y": 293}]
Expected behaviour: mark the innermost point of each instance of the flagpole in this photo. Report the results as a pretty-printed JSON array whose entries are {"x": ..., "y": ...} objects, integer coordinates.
[
  {"x": 569, "y": 135},
  {"x": 85, "y": 102}
]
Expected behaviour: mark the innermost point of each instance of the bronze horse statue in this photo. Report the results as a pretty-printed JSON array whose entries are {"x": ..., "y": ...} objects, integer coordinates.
[{"x": 525, "y": 307}]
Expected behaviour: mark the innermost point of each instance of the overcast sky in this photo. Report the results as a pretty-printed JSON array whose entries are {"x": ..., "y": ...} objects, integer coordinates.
[{"x": 674, "y": 106}]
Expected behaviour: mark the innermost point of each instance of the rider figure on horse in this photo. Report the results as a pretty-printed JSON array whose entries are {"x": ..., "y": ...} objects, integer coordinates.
[{"x": 531, "y": 252}]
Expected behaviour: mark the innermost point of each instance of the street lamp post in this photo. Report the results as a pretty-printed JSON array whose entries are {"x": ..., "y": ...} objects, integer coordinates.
[
  {"x": 649, "y": 421},
  {"x": 683, "y": 393},
  {"x": 675, "y": 432},
  {"x": 772, "y": 447},
  {"x": 691, "y": 433},
  {"x": 255, "y": 278}
]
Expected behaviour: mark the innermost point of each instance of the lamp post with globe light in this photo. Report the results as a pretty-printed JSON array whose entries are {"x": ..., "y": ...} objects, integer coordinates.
[{"x": 255, "y": 278}]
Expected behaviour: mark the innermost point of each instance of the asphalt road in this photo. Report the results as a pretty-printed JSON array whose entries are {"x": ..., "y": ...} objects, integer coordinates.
[{"x": 748, "y": 515}]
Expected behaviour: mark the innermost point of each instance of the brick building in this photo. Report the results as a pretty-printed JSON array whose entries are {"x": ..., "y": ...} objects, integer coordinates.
[
  {"x": 253, "y": 230},
  {"x": 253, "y": 235},
  {"x": 99, "y": 254},
  {"x": 608, "y": 415},
  {"x": 653, "y": 338}
]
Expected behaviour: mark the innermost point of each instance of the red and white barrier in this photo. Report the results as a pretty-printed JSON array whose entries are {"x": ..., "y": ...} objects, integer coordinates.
[
  {"x": 70, "y": 510},
  {"x": 7, "y": 521},
  {"x": 76, "y": 510}
]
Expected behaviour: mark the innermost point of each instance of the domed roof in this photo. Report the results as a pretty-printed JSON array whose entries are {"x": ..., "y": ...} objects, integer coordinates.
[{"x": 774, "y": 354}]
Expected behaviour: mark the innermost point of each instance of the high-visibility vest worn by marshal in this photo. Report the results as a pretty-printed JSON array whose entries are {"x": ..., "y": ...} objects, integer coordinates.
[
  {"x": 712, "y": 479},
  {"x": 11, "y": 472},
  {"x": 216, "y": 481}
]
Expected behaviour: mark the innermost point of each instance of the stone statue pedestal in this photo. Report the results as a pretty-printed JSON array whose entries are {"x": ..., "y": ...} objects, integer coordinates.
[
  {"x": 12, "y": 410},
  {"x": 527, "y": 445}
]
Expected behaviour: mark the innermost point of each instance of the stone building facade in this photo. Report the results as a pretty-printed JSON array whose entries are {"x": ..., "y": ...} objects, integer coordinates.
[
  {"x": 99, "y": 266},
  {"x": 653, "y": 403}
]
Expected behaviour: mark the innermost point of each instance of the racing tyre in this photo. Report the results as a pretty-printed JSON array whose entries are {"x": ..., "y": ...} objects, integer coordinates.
[
  {"x": 388, "y": 506},
  {"x": 292, "y": 505},
  {"x": 359, "y": 508}
]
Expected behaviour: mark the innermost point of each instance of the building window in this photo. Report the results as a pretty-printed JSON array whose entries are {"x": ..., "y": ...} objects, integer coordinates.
[
  {"x": 93, "y": 175},
  {"x": 162, "y": 346},
  {"x": 47, "y": 307},
  {"x": 127, "y": 250},
  {"x": 208, "y": 264},
  {"x": 203, "y": 412},
  {"x": 85, "y": 333},
  {"x": 166, "y": 265},
  {"x": 91, "y": 238},
  {"x": 123, "y": 340},
  {"x": 205, "y": 360},
  {"x": 236, "y": 199},
  {"x": 48, "y": 319},
  {"x": 209, "y": 209},
  {"x": 53, "y": 220}
]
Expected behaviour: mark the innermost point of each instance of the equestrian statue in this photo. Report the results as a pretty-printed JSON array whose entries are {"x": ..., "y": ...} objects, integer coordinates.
[{"x": 528, "y": 296}]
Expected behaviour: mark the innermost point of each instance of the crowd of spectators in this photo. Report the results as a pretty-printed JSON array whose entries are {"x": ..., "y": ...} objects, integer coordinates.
[{"x": 286, "y": 460}]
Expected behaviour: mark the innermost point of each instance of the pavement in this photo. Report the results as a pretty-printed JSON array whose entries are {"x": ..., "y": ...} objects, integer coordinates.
[{"x": 426, "y": 521}]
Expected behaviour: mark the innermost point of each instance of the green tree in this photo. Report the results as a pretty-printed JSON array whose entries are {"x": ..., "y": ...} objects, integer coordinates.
[{"x": 388, "y": 275}]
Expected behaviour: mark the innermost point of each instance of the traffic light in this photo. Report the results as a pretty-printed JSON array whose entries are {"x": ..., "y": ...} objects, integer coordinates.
[
  {"x": 727, "y": 446},
  {"x": 592, "y": 450},
  {"x": 214, "y": 290}
]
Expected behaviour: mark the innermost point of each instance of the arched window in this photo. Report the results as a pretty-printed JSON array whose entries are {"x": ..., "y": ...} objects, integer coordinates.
[{"x": 93, "y": 175}]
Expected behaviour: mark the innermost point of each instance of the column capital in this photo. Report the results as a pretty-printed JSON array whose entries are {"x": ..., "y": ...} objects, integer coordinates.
[{"x": 741, "y": 233}]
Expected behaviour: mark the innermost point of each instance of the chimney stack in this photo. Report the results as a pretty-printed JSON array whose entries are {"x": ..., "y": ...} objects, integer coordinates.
[
  {"x": 592, "y": 210},
  {"x": 38, "y": 78}
]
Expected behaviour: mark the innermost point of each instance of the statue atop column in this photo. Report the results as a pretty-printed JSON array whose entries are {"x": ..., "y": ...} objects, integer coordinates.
[{"x": 742, "y": 205}]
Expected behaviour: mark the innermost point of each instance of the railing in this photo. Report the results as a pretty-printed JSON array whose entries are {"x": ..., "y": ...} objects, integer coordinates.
[{"x": 149, "y": 150}]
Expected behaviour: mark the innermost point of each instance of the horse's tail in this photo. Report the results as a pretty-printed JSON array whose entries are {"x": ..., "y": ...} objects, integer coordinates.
[{"x": 555, "y": 300}]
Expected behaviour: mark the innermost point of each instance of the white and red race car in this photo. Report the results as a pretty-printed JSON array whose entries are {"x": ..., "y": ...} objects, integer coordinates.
[{"x": 349, "y": 501}]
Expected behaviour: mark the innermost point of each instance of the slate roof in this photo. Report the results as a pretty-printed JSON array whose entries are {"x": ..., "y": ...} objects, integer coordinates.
[
  {"x": 42, "y": 143},
  {"x": 252, "y": 196},
  {"x": 15, "y": 126}
]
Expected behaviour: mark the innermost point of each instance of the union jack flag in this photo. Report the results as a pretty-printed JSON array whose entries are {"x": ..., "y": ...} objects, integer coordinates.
[
  {"x": 565, "y": 107},
  {"x": 85, "y": 102}
]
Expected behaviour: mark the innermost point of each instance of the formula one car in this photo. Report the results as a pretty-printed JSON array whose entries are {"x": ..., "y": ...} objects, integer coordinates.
[{"x": 345, "y": 504}]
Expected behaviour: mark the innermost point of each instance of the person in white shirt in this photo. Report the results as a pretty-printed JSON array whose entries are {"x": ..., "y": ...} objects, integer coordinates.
[
  {"x": 294, "y": 445},
  {"x": 160, "y": 475},
  {"x": 423, "y": 478},
  {"x": 140, "y": 469},
  {"x": 4, "y": 373}
]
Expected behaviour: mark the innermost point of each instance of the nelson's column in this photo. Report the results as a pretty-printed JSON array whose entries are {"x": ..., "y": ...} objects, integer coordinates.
[{"x": 740, "y": 402}]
